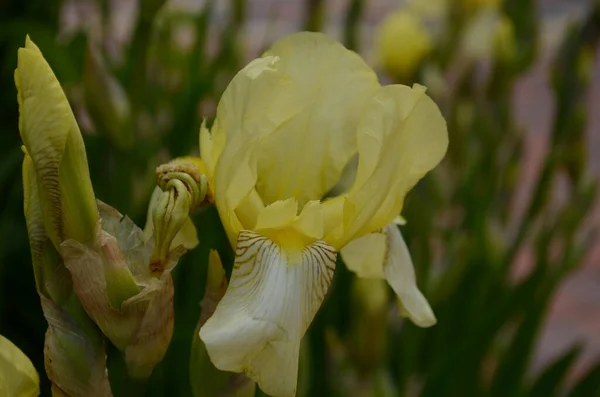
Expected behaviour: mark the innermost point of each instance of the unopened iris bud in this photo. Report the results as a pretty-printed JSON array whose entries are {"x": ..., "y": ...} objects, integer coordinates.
[
  {"x": 119, "y": 288},
  {"x": 108, "y": 258},
  {"x": 59, "y": 204},
  {"x": 124, "y": 279},
  {"x": 53, "y": 141},
  {"x": 183, "y": 186}
]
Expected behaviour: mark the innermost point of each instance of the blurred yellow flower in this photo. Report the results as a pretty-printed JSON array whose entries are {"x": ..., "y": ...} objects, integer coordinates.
[
  {"x": 18, "y": 377},
  {"x": 287, "y": 127},
  {"x": 489, "y": 34},
  {"x": 402, "y": 42}
]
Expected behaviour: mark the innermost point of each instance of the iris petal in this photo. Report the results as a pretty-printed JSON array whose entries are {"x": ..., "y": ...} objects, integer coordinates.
[
  {"x": 401, "y": 137},
  {"x": 384, "y": 254},
  {"x": 271, "y": 300}
]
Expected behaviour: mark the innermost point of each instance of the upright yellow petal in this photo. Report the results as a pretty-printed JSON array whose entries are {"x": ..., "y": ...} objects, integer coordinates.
[
  {"x": 18, "y": 377},
  {"x": 244, "y": 115},
  {"x": 277, "y": 215},
  {"x": 249, "y": 209},
  {"x": 331, "y": 86},
  {"x": 52, "y": 138},
  {"x": 401, "y": 137},
  {"x": 311, "y": 222},
  {"x": 279, "y": 222},
  {"x": 269, "y": 304}
]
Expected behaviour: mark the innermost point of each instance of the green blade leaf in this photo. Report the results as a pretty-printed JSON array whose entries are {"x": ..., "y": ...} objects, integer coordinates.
[{"x": 550, "y": 381}]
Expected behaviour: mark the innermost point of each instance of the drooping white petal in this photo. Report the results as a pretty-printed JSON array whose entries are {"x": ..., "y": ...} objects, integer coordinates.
[
  {"x": 400, "y": 274},
  {"x": 384, "y": 254},
  {"x": 271, "y": 300}
]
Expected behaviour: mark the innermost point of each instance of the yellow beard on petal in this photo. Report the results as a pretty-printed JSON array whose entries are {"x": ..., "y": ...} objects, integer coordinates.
[{"x": 291, "y": 241}]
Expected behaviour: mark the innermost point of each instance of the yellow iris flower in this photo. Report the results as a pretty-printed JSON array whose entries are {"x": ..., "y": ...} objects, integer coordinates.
[
  {"x": 287, "y": 129},
  {"x": 18, "y": 377}
]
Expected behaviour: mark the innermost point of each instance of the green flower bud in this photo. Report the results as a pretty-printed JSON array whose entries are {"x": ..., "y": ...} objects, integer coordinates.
[
  {"x": 114, "y": 281},
  {"x": 124, "y": 279},
  {"x": 58, "y": 204},
  {"x": 54, "y": 143},
  {"x": 184, "y": 188}
]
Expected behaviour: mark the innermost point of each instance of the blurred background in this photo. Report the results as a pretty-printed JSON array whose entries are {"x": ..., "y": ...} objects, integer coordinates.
[{"x": 502, "y": 233}]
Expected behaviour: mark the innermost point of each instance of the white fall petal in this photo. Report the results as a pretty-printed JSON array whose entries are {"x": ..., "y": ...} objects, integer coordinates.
[
  {"x": 384, "y": 254},
  {"x": 400, "y": 274},
  {"x": 271, "y": 300}
]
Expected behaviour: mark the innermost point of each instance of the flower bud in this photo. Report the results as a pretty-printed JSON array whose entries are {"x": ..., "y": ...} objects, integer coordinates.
[
  {"x": 74, "y": 349},
  {"x": 184, "y": 188},
  {"x": 53, "y": 141},
  {"x": 58, "y": 204},
  {"x": 114, "y": 280},
  {"x": 123, "y": 279}
]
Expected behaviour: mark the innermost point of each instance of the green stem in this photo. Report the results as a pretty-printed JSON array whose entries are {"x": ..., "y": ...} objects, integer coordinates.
[
  {"x": 352, "y": 25},
  {"x": 315, "y": 12},
  {"x": 136, "y": 387}
]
